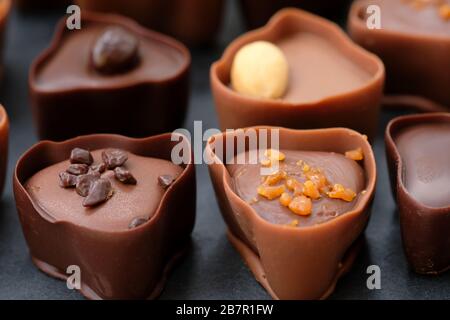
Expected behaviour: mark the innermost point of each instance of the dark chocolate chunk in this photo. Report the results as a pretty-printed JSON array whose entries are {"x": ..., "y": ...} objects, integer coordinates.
[
  {"x": 97, "y": 168},
  {"x": 67, "y": 180},
  {"x": 136, "y": 222},
  {"x": 115, "y": 51},
  {"x": 165, "y": 180},
  {"x": 78, "y": 169},
  {"x": 83, "y": 156},
  {"x": 100, "y": 191},
  {"x": 85, "y": 182},
  {"x": 114, "y": 158},
  {"x": 124, "y": 176}
]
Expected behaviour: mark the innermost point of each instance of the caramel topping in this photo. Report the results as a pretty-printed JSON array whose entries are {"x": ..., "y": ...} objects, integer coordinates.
[
  {"x": 270, "y": 192},
  {"x": 275, "y": 178},
  {"x": 293, "y": 223},
  {"x": 444, "y": 12},
  {"x": 285, "y": 199},
  {"x": 310, "y": 190},
  {"x": 339, "y": 192},
  {"x": 356, "y": 154},
  {"x": 301, "y": 205}
]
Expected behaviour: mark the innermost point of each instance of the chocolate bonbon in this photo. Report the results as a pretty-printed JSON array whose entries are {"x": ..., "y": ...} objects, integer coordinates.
[
  {"x": 4, "y": 139},
  {"x": 417, "y": 148},
  {"x": 293, "y": 253},
  {"x": 410, "y": 31},
  {"x": 332, "y": 82},
  {"x": 124, "y": 237},
  {"x": 112, "y": 76}
]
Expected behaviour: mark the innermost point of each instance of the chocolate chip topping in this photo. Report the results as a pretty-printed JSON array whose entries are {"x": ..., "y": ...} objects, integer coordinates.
[
  {"x": 83, "y": 156},
  {"x": 97, "y": 168},
  {"x": 85, "y": 182},
  {"x": 124, "y": 176},
  {"x": 165, "y": 180},
  {"x": 136, "y": 222},
  {"x": 78, "y": 169},
  {"x": 114, "y": 158},
  {"x": 67, "y": 180},
  {"x": 100, "y": 191},
  {"x": 115, "y": 51}
]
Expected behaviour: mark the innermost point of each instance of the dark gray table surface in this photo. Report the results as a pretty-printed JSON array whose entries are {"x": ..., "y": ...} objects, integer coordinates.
[{"x": 213, "y": 269}]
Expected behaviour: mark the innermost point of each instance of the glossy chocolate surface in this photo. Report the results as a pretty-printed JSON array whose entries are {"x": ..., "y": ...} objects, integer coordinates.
[
  {"x": 128, "y": 201},
  {"x": 332, "y": 82},
  {"x": 336, "y": 167},
  {"x": 70, "y": 97},
  {"x": 59, "y": 232},
  {"x": 419, "y": 167},
  {"x": 410, "y": 31},
  {"x": 267, "y": 248},
  {"x": 4, "y": 136}
]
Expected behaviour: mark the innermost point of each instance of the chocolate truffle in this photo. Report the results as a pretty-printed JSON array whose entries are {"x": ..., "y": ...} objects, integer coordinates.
[
  {"x": 419, "y": 164},
  {"x": 4, "y": 132},
  {"x": 195, "y": 22},
  {"x": 298, "y": 227},
  {"x": 111, "y": 76},
  {"x": 140, "y": 229},
  {"x": 410, "y": 31},
  {"x": 331, "y": 81}
]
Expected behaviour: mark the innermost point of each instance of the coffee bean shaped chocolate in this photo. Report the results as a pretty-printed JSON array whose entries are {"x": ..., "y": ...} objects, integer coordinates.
[
  {"x": 114, "y": 158},
  {"x": 83, "y": 156},
  {"x": 100, "y": 191}
]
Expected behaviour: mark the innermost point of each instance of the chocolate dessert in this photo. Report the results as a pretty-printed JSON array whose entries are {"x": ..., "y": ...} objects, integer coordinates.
[{"x": 4, "y": 134}]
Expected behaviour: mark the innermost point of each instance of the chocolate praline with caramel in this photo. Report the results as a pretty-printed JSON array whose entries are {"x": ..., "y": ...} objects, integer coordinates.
[
  {"x": 298, "y": 229},
  {"x": 417, "y": 149},
  {"x": 125, "y": 237},
  {"x": 111, "y": 76}
]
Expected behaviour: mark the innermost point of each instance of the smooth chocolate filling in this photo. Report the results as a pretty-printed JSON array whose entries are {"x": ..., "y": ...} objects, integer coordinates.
[
  {"x": 424, "y": 150},
  {"x": 70, "y": 67},
  {"x": 127, "y": 203},
  {"x": 410, "y": 17},
  {"x": 336, "y": 167}
]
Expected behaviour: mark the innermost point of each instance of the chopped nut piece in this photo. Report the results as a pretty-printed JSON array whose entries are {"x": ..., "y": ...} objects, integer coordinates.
[
  {"x": 270, "y": 192},
  {"x": 310, "y": 190},
  {"x": 124, "y": 176},
  {"x": 301, "y": 205},
  {"x": 67, "y": 180},
  {"x": 285, "y": 199},
  {"x": 356, "y": 154},
  {"x": 85, "y": 182},
  {"x": 275, "y": 178},
  {"x": 78, "y": 155},
  {"x": 100, "y": 191},
  {"x": 165, "y": 180},
  {"x": 339, "y": 192},
  {"x": 136, "y": 222},
  {"x": 97, "y": 168},
  {"x": 114, "y": 158},
  {"x": 444, "y": 12},
  {"x": 77, "y": 169}
]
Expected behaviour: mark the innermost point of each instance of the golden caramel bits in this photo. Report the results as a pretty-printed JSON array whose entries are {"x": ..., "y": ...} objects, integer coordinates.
[
  {"x": 285, "y": 199},
  {"x": 339, "y": 192},
  {"x": 356, "y": 154},
  {"x": 272, "y": 155},
  {"x": 301, "y": 205},
  {"x": 294, "y": 223},
  {"x": 444, "y": 12},
  {"x": 271, "y": 192},
  {"x": 310, "y": 190},
  {"x": 275, "y": 178}
]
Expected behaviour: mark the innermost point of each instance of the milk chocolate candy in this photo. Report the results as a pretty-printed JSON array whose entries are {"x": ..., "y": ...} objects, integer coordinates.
[
  {"x": 417, "y": 149},
  {"x": 414, "y": 44},
  {"x": 294, "y": 254},
  {"x": 257, "y": 12},
  {"x": 4, "y": 133},
  {"x": 332, "y": 82},
  {"x": 119, "y": 257},
  {"x": 195, "y": 22},
  {"x": 137, "y": 94}
]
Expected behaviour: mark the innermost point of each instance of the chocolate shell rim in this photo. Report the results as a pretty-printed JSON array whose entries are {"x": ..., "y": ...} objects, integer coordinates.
[
  {"x": 107, "y": 138},
  {"x": 272, "y": 24},
  {"x": 4, "y": 120},
  {"x": 354, "y": 20},
  {"x": 113, "y": 19},
  {"x": 409, "y": 121},
  {"x": 359, "y": 208}
]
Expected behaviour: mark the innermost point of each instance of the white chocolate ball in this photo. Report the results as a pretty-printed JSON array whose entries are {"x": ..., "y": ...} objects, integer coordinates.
[{"x": 260, "y": 70}]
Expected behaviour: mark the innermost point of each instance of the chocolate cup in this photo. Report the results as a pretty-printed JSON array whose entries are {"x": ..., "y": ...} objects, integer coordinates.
[
  {"x": 4, "y": 133},
  {"x": 268, "y": 248},
  {"x": 29, "y": 5},
  {"x": 425, "y": 230},
  {"x": 155, "y": 106},
  {"x": 257, "y": 12},
  {"x": 128, "y": 264},
  {"x": 410, "y": 78},
  {"x": 357, "y": 109},
  {"x": 194, "y": 22}
]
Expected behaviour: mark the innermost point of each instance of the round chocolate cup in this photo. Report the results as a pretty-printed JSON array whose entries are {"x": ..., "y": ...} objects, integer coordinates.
[
  {"x": 268, "y": 248},
  {"x": 4, "y": 133},
  {"x": 128, "y": 264},
  {"x": 152, "y": 106},
  {"x": 194, "y": 22},
  {"x": 357, "y": 109},
  {"x": 257, "y": 12},
  {"x": 425, "y": 230},
  {"x": 411, "y": 78}
]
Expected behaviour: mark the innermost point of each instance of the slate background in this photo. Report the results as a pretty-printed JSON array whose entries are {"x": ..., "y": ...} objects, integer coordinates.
[{"x": 213, "y": 269}]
